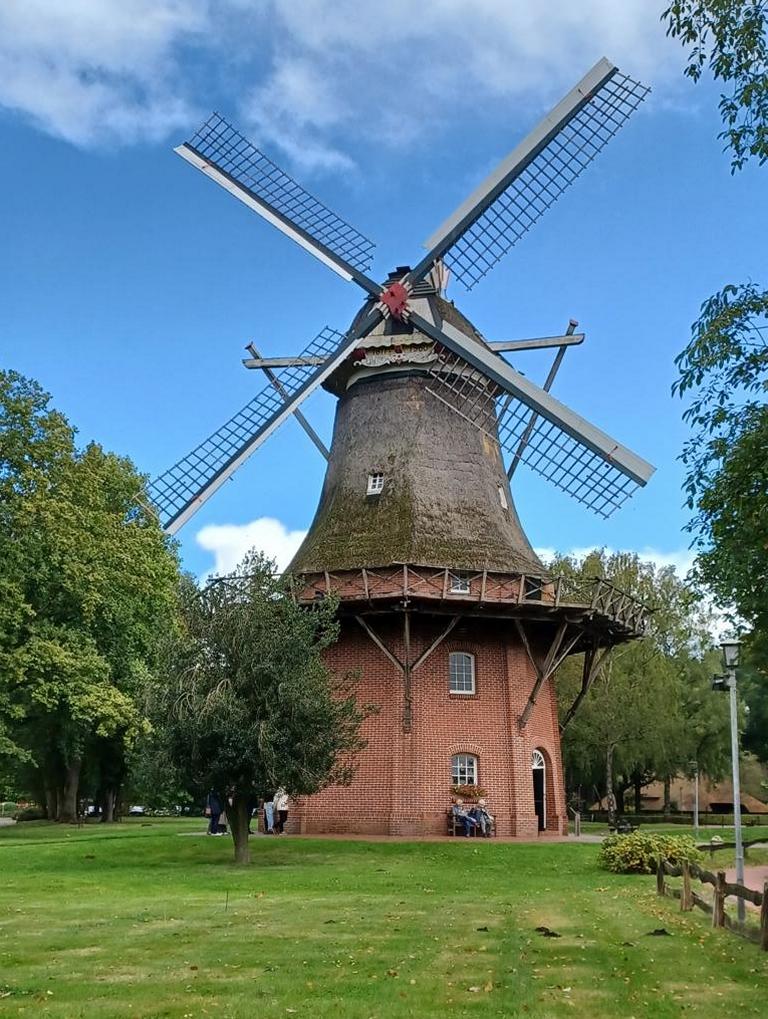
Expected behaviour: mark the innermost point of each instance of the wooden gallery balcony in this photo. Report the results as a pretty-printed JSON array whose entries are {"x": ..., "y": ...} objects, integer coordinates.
[{"x": 595, "y": 604}]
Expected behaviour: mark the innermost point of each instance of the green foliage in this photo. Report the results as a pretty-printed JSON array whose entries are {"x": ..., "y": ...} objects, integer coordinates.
[
  {"x": 730, "y": 39},
  {"x": 87, "y": 589},
  {"x": 650, "y": 711},
  {"x": 29, "y": 814},
  {"x": 247, "y": 702},
  {"x": 639, "y": 852},
  {"x": 724, "y": 369}
]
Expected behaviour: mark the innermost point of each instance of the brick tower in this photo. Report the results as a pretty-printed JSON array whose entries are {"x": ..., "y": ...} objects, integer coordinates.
[{"x": 454, "y": 624}]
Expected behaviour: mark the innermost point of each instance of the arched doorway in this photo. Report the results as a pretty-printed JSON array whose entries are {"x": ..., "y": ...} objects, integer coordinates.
[{"x": 539, "y": 771}]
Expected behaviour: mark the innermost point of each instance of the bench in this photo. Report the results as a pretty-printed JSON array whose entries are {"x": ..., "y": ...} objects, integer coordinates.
[
  {"x": 622, "y": 827},
  {"x": 456, "y": 827}
]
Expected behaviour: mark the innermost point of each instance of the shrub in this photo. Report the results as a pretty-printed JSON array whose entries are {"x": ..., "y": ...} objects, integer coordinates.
[
  {"x": 639, "y": 852},
  {"x": 30, "y": 814}
]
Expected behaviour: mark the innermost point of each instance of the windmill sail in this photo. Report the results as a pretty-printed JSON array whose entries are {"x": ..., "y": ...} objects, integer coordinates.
[
  {"x": 234, "y": 162},
  {"x": 589, "y": 477},
  {"x": 534, "y": 175},
  {"x": 183, "y": 489},
  {"x": 561, "y": 445}
]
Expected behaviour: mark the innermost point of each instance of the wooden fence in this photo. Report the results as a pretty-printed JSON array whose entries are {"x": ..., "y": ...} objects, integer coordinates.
[{"x": 716, "y": 908}]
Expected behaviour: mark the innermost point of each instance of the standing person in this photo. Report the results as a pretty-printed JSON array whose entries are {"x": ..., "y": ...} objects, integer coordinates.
[
  {"x": 280, "y": 803},
  {"x": 213, "y": 810},
  {"x": 269, "y": 815}
]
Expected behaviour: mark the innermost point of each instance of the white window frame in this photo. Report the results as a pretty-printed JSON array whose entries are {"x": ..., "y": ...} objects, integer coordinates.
[
  {"x": 539, "y": 763},
  {"x": 465, "y": 657},
  {"x": 502, "y": 498},
  {"x": 375, "y": 483},
  {"x": 460, "y": 583},
  {"x": 466, "y": 765}
]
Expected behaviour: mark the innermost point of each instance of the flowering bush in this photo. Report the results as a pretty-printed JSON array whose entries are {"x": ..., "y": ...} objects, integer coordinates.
[
  {"x": 468, "y": 792},
  {"x": 639, "y": 852}
]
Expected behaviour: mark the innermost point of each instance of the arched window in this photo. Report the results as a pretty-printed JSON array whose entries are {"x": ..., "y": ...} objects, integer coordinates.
[
  {"x": 537, "y": 760},
  {"x": 461, "y": 672},
  {"x": 464, "y": 769}
]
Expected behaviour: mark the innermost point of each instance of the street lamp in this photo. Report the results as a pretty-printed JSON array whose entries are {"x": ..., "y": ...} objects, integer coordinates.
[
  {"x": 728, "y": 682},
  {"x": 694, "y": 766}
]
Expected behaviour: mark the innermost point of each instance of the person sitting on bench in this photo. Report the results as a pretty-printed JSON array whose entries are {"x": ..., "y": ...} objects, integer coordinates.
[
  {"x": 483, "y": 818},
  {"x": 463, "y": 816}
]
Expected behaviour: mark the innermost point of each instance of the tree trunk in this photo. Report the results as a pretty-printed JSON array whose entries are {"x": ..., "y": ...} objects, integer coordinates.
[
  {"x": 108, "y": 801},
  {"x": 238, "y": 817},
  {"x": 638, "y": 794},
  {"x": 609, "y": 793},
  {"x": 667, "y": 796},
  {"x": 50, "y": 802},
  {"x": 68, "y": 803},
  {"x": 619, "y": 792}
]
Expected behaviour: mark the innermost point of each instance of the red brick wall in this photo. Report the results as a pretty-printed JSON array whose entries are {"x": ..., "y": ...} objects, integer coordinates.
[{"x": 403, "y": 779}]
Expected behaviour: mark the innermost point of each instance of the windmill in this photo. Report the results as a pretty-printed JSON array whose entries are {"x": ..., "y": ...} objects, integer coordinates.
[{"x": 457, "y": 626}]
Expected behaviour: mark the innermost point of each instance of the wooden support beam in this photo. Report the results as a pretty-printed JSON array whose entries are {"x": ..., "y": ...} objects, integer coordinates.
[
  {"x": 526, "y": 436},
  {"x": 407, "y": 678},
  {"x": 594, "y": 660},
  {"x": 280, "y": 362},
  {"x": 380, "y": 644},
  {"x": 524, "y": 638},
  {"x": 365, "y": 586},
  {"x": 538, "y": 342},
  {"x": 543, "y": 672},
  {"x": 435, "y": 644},
  {"x": 266, "y": 364}
]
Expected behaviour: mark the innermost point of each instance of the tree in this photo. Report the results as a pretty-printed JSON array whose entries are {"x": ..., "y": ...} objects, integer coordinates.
[
  {"x": 730, "y": 38},
  {"x": 724, "y": 365},
  {"x": 92, "y": 582},
  {"x": 249, "y": 703},
  {"x": 725, "y": 370},
  {"x": 646, "y": 715}
]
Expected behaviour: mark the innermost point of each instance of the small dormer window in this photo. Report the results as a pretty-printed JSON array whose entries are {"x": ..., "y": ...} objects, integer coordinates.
[
  {"x": 502, "y": 498},
  {"x": 459, "y": 583},
  {"x": 375, "y": 483}
]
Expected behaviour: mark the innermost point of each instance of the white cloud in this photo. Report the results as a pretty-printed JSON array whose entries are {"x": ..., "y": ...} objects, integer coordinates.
[
  {"x": 682, "y": 559},
  {"x": 94, "y": 71},
  {"x": 230, "y": 542},
  {"x": 308, "y": 75}
]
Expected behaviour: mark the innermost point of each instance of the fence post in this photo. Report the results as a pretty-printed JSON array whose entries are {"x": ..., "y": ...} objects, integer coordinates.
[
  {"x": 718, "y": 912},
  {"x": 686, "y": 901},
  {"x": 764, "y": 919},
  {"x": 660, "y": 877}
]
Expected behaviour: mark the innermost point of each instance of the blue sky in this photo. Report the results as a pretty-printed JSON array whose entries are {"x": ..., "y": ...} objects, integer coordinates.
[{"x": 129, "y": 284}]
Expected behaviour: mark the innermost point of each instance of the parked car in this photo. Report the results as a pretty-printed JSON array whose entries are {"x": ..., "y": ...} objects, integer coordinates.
[{"x": 137, "y": 811}]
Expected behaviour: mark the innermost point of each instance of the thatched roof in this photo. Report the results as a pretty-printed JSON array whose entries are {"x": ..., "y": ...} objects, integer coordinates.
[{"x": 444, "y": 495}]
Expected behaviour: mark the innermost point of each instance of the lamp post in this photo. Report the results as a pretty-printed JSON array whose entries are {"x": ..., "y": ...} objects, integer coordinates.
[
  {"x": 728, "y": 682},
  {"x": 695, "y": 767}
]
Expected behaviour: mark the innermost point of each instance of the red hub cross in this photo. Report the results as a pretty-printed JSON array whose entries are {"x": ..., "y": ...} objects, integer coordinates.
[{"x": 395, "y": 297}]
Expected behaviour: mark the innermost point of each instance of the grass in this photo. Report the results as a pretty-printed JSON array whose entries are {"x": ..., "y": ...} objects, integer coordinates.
[{"x": 137, "y": 920}]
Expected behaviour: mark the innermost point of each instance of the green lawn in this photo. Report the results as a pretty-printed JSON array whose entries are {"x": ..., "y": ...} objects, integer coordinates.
[{"x": 138, "y": 920}]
